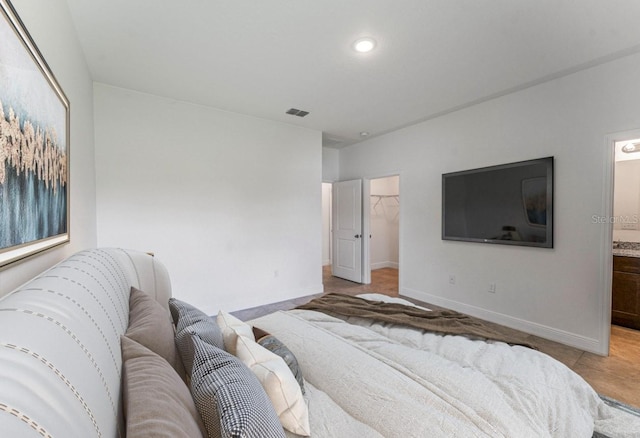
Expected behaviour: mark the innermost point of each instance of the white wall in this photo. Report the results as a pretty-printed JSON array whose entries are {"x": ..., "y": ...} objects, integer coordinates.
[
  {"x": 557, "y": 293},
  {"x": 50, "y": 25},
  {"x": 330, "y": 165},
  {"x": 384, "y": 218},
  {"x": 231, "y": 204}
]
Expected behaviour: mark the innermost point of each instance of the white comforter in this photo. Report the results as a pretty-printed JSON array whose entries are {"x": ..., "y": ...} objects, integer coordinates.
[{"x": 367, "y": 379}]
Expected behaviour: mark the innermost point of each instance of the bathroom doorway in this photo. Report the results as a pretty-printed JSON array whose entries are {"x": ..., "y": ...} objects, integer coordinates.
[{"x": 625, "y": 222}]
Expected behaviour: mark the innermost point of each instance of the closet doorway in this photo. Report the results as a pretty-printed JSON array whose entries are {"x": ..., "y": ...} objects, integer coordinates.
[
  {"x": 380, "y": 232},
  {"x": 384, "y": 224}
]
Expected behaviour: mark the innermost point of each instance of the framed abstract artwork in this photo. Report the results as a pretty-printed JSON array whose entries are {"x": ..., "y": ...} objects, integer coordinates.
[{"x": 34, "y": 146}]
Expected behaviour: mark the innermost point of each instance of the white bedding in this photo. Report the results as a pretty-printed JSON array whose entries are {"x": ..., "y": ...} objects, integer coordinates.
[{"x": 370, "y": 379}]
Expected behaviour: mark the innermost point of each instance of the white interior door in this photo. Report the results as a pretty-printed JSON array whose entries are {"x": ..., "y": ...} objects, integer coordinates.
[{"x": 347, "y": 230}]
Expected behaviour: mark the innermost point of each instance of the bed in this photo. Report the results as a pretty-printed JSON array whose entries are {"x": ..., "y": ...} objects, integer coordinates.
[
  {"x": 368, "y": 378},
  {"x": 97, "y": 347}
]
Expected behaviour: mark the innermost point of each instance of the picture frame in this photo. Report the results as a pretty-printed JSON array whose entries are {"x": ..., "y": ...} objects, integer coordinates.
[{"x": 34, "y": 147}]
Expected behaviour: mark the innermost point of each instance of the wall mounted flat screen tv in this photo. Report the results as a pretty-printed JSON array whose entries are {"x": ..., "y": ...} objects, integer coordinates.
[{"x": 510, "y": 204}]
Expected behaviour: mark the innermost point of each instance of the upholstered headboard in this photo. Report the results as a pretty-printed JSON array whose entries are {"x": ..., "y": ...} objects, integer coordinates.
[{"x": 60, "y": 360}]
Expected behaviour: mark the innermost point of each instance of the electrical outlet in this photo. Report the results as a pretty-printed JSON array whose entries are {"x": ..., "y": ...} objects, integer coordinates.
[
  {"x": 452, "y": 279},
  {"x": 492, "y": 288}
]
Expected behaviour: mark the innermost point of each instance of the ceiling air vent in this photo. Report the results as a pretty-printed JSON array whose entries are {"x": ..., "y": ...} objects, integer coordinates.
[{"x": 297, "y": 112}]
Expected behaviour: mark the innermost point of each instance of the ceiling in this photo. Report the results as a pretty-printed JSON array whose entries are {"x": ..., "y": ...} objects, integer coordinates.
[{"x": 261, "y": 58}]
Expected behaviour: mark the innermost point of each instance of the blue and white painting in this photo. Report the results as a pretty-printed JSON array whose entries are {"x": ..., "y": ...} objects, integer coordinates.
[{"x": 34, "y": 158}]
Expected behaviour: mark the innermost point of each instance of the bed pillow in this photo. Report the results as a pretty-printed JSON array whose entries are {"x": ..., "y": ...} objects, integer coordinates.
[
  {"x": 231, "y": 328},
  {"x": 278, "y": 382},
  {"x": 190, "y": 320},
  {"x": 185, "y": 315},
  {"x": 156, "y": 401},
  {"x": 275, "y": 346},
  {"x": 229, "y": 397},
  {"x": 150, "y": 325}
]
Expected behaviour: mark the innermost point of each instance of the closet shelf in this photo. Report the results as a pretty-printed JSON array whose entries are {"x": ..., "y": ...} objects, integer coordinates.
[{"x": 381, "y": 197}]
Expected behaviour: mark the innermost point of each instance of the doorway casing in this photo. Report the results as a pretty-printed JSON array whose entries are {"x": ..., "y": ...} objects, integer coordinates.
[
  {"x": 366, "y": 226},
  {"x": 606, "y": 252}
]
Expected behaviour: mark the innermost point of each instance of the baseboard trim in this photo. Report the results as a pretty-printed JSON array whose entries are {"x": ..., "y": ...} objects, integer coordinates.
[
  {"x": 567, "y": 338},
  {"x": 380, "y": 265},
  {"x": 265, "y": 309}
]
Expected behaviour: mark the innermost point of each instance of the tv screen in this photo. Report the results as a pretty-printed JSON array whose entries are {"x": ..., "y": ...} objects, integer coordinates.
[{"x": 509, "y": 204}]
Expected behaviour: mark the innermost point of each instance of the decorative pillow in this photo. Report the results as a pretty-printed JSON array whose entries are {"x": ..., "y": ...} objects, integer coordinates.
[
  {"x": 206, "y": 330},
  {"x": 185, "y": 315},
  {"x": 150, "y": 325},
  {"x": 274, "y": 345},
  {"x": 156, "y": 401},
  {"x": 231, "y": 328},
  {"x": 190, "y": 320},
  {"x": 228, "y": 395},
  {"x": 278, "y": 382}
]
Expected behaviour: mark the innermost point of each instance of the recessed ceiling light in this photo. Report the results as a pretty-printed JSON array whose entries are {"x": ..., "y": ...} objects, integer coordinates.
[
  {"x": 364, "y": 45},
  {"x": 364, "y": 134}
]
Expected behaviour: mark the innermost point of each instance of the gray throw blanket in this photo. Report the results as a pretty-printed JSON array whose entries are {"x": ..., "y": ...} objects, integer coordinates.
[{"x": 438, "y": 321}]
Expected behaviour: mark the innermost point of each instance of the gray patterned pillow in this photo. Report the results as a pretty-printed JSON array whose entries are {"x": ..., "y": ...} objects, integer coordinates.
[
  {"x": 185, "y": 315},
  {"x": 275, "y": 346},
  {"x": 229, "y": 397},
  {"x": 189, "y": 320}
]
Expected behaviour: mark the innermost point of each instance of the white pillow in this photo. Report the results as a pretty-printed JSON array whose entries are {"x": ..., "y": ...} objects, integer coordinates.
[
  {"x": 278, "y": 382},
  {"x": 231, "y": 328}
]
